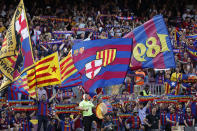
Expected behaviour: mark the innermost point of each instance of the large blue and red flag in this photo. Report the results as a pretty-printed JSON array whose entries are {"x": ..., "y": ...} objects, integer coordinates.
[
  {"x": 152, "y": 47},
  {"x": 72, "y": 81},
  {"x": 102, "y": 63}
]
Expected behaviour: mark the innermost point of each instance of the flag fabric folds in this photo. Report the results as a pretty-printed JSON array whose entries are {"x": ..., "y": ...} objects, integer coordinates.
[
  {"x": 177, "y": 36},
  {"x": 102, "y": 62},
  {"x": 12, "y": 93},
  {"x": 152, "y": 47},
  {"x": 192, "y": 51},
  {"x": 16, "y": 52},
  {"x": 70, "y": 76},
  {"x": 21, "y": 84},
  {"x": 46, "y": 72}
]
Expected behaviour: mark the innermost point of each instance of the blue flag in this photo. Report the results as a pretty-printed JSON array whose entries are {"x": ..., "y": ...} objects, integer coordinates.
[
  {"x": 152, "y": 47},
  {"x": 102, "y": 63}
]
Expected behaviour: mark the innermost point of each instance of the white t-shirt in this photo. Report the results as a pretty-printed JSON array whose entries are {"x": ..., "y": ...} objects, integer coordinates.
[{"x": 142, "y": 114}]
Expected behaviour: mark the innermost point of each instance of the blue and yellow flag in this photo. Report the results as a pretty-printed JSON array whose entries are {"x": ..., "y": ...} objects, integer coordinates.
[
  {"x": 152, "y": 47},
  {"x": 16, "y": 52}
]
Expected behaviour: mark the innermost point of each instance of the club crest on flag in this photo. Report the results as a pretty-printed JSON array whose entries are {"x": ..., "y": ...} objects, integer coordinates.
[
  {"x": 93, "y": 68},
  {"x": 108, "y": 56},
  {"x": 79, "y": 51}
]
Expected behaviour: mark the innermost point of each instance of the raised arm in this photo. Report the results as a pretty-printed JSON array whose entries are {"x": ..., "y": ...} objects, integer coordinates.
[
  {"x": 57, "y": 117},
  {"x": 52, "y": 97},
  {"x": 32, "y": 114},
  {"x": 78, "y": 116}
]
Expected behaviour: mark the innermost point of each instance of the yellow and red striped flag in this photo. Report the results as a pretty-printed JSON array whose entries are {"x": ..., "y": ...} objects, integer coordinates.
[
  {"x": 107, "y": 56},
  {"x": 67, "y": 67},
  {"x": 45, "y": 73}
]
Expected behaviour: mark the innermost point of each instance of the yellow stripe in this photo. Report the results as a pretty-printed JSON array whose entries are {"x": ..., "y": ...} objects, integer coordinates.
[
  {"x": 97, "y": 55},
  {"x": 65, "y": 58},
  {"x": 13, "y": 58},
  {"x": 64, "y": 66},
  {"x": 69, "y": 75},
  {"x": 114, "y": 54},
  {"x": 106, "y": 58},
  {"x": 47, "y": 84},
  {"x": 110, "y": 52},
  {"x": 8, "y": 62},
  {"x": 68, "y": 69},
  {"x": 26, "y": 87}
]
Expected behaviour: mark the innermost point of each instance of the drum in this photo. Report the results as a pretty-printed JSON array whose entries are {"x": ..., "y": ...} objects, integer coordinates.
[
  {"x": 177, "y": 128},
  {"x": 101, "y": 110}
]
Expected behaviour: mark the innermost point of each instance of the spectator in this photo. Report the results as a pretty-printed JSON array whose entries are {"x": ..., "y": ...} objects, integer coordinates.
[
  {"x": 133, "y": 123},
  {"x": 43, "y": 111},
  {"x": 152, "y": 121}
]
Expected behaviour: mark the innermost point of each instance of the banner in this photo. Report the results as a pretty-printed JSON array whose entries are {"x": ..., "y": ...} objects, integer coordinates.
[
  {"x": 102, "y": 63},
  {"x": 46, "y": 72},
  {"x": 16, "y": 52},
  {"x": 152, "y": 47},
  {"x": 52, "y": 18},
  {"x": 63, "y": 32}
]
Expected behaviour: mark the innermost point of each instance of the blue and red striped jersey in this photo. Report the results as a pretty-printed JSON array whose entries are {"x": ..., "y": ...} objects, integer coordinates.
[
  {"x": 43, "y": 108},
  {"x": 189, "y": 119}
]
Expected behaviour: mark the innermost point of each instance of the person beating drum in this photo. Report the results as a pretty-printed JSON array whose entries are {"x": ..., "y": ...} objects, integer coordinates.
[{"x": 86, "y": 107}]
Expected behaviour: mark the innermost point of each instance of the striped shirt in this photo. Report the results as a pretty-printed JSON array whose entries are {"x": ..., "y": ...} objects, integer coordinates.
[{"x": 43, "y": 108}]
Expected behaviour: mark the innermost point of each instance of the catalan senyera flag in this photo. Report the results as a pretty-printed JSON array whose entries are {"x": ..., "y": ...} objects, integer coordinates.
[
  {"x": 70, "y": 76},
  {"x": 46, "y": 72},
  {"x": 16, "y": 52},
  {"x": 67, "y": 67},
  {"x": 152, "y": 47}
]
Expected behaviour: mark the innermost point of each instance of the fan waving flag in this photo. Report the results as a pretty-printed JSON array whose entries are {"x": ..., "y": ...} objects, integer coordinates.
[
  {"x": 102, "y": 63},
  {"x": 46, "y": 72},
  {"x": 152, "y": 47},
  {"x": 16, "y": 52},
  {"x": 192, "y": 51},
  {"x": 70, "y": 76}
]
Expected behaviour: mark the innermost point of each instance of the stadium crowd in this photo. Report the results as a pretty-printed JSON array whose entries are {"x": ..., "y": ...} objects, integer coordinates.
[{"x": 106, "y": 19}]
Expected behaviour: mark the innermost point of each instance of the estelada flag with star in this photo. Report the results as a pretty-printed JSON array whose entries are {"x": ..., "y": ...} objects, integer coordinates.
[
  {"x": 102, "y": 63},
  {"x": 46, "y": 72}
]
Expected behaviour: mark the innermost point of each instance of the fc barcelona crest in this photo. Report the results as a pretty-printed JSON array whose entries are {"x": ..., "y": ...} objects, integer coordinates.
[{"x": 107, "y": 55}]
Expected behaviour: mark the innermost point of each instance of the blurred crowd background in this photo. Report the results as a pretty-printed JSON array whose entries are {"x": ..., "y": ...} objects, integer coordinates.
[{"x": 109, "y": 19}]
